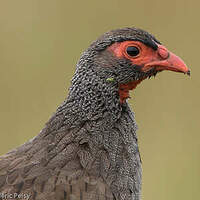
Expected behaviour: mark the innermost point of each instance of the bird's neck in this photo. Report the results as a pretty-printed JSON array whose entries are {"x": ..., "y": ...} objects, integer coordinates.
[{"x": 94, "y": 95}]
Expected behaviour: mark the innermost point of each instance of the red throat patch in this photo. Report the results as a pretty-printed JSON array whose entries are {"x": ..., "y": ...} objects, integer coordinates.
[{"x": 125, "y": 88}]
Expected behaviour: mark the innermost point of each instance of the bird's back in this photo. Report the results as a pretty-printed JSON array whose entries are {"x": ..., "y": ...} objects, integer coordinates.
[
  {"x": 74, "y": 164},
  {"x": 57, "y": 175}
]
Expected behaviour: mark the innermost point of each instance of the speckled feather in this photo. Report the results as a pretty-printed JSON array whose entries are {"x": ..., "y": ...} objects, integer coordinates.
[{"x": 88, "y": 149}]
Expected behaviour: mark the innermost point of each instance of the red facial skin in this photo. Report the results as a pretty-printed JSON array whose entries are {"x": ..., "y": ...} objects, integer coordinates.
[{"x": 148, "y": 58}]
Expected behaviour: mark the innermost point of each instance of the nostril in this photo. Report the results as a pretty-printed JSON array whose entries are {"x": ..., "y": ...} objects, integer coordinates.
[{"x": 163, "y": 52}]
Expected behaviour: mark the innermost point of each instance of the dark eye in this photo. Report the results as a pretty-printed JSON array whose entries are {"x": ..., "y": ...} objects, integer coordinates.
[{"x": 132, "y": 51}]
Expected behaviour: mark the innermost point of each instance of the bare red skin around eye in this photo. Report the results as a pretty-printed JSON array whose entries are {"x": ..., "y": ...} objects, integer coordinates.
[
  {"x": 148, "y": 58},
  {"x": 119, "y": 50}
]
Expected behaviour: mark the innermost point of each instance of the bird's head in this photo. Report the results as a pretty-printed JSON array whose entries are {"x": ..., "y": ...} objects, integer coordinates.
[{"x": 127, "y": 56}]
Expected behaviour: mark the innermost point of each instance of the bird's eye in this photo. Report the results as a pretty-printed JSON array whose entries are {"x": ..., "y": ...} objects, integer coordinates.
[{"x": 132, "y": 51}]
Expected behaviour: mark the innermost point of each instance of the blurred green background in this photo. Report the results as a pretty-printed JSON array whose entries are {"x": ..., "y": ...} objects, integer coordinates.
[{"x": 40, "y": 43}]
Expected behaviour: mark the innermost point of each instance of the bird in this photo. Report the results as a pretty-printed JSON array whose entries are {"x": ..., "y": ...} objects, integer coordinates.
[{"x": 88, "y": 149}]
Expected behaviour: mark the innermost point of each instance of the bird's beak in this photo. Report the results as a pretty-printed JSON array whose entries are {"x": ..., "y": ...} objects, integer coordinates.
[{"x": 166, "y": 60}]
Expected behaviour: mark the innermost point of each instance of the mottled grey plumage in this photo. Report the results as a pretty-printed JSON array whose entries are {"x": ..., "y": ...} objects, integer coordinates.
[{"x": 88, "y": 149}]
